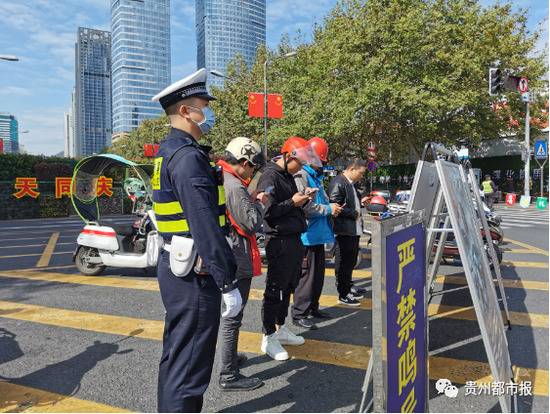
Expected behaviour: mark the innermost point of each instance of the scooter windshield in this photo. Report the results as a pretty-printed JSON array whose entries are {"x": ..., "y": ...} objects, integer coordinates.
[{"x": 85, "y": 181}]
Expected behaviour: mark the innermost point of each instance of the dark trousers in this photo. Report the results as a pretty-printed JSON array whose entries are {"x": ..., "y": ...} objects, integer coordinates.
[
  {"x": 310, "y": 285},
  {"x": 489, "y": 199},
  {"x": 284, "y": 265},
  {"x": 229, "y": 335},
  {"x": 193, "y": 306},
  {"x": 347, "y": 248}
]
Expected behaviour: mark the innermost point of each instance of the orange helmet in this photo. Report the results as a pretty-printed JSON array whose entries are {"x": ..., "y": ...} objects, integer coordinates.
[
  {"x": 320, "y": 147},
  {"x": 299, "y": 149},
  {"x": 293, "y": 143}
]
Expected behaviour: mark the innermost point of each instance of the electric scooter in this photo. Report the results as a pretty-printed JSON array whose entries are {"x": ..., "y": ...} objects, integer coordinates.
[{"x": 103, "y": 243}]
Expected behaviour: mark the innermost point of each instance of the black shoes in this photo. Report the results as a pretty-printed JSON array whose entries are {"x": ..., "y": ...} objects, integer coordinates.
[
  {"x": 349, "y": 300},
  {"x": 319, "y": 314},
  {"x": 240, "y": 383},
  {"x": 304, "y": 323},
  {"x": 358, "y": 292}
]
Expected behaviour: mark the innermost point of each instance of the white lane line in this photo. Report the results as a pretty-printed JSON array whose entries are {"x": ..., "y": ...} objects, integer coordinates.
[{"x": 32, "y": 245}]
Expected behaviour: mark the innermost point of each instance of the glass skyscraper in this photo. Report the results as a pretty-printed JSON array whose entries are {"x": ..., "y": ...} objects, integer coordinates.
[
  {"x": 92, "y": 117},
  {"x": 9, "y": 133},
  {"x": 141, "y": 60},
  {"x": 226, "y": 28}
]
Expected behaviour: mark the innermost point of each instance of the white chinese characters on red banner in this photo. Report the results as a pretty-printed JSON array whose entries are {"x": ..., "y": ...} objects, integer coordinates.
[{"x": 28, "y": 186}]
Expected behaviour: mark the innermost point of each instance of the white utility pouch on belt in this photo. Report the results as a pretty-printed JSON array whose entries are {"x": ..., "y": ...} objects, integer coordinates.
[{"x": 182, "y": 255}]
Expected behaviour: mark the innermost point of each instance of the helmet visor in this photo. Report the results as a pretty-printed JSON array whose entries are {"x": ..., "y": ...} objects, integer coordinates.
[{"x": 307, "y": 156}]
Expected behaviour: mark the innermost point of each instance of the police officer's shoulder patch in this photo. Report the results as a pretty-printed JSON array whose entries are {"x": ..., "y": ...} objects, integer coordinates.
[{"x": 155, "y": 179}]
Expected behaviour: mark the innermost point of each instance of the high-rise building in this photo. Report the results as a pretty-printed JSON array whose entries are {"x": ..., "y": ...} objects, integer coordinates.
[
  {"x": 9, "y": 133},
  {"x": 225, "y": 29},
  {"x": 141, "y": 60},
  {"x": 67, "y": 132},
  {"x": 92, "y": 118}
]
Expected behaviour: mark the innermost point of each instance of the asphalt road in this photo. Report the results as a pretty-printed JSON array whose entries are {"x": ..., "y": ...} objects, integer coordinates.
[{"x": 73, "y": 343}]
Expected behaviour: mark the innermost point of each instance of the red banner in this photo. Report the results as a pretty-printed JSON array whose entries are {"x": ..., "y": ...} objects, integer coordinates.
[
  {"x": 150, "y": 150},
  {"x": 274, "y": 105},
  {"x": 255, "y": 105}
]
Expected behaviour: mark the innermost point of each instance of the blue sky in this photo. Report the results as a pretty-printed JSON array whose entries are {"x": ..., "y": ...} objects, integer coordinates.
[{"x": 37, "y": 89}]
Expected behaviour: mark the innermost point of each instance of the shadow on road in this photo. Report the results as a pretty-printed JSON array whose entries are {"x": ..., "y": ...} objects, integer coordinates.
[
  {"x": 9, "y": 347},
  {"x": 62, "y": 378}
]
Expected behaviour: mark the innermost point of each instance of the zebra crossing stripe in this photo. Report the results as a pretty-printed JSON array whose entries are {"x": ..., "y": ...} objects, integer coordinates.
[
  {"x": 325, "y": 352},
  {"x": 19, "y": 398},
  {"x": 434, "y": 310}
]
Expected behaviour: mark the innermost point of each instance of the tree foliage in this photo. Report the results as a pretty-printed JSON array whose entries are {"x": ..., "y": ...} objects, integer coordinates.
[{"x": 396, "y": 72}]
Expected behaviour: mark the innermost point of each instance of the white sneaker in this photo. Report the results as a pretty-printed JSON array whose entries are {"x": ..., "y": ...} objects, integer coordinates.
[
  {"x": 272, "y": 347},
  {"x": 286, "y": 337}
]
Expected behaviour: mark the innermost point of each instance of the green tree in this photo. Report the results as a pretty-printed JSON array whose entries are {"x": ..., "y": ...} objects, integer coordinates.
[
  {"x": 399, "y": 73},
  {"x": 150, "y": 131},
  {"x": 396, "y": 72}
]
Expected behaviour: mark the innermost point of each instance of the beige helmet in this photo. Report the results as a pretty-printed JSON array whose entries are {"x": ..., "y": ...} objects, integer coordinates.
[{"x": 245, "y": 148}]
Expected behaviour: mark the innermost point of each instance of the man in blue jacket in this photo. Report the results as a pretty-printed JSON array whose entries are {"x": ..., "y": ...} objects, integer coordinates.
[{"x": 319, "y": 231}]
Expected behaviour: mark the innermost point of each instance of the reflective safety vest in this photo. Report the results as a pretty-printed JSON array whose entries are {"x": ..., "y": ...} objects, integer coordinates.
[
  {"x": 168, "y": 210},
  {"x": 487, "y": 188}
]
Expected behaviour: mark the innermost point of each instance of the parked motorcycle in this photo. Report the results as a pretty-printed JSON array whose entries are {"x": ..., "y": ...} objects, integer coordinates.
[{"x": 105, "y": 243}]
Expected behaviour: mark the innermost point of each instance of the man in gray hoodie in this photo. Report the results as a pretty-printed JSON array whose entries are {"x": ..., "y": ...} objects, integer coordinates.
[{"x": 242, "y": 158}]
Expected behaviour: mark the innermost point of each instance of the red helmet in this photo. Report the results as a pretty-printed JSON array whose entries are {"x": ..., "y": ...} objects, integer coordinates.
[
  {"x": 292, "y": 144},
  {"x": 378, "y": 200},
  {"x": 320, "y": 147}
]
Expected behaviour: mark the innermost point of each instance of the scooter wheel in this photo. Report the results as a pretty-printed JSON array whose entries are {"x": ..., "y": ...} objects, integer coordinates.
[{"x": 82, "y": 263}]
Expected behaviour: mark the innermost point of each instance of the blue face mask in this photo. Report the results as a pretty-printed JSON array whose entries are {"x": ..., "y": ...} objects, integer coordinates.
[{"x": 209, "y": 120}]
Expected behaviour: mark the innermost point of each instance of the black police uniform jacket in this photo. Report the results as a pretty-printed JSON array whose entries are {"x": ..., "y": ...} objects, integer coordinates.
[{"x": 187, "y": 200}]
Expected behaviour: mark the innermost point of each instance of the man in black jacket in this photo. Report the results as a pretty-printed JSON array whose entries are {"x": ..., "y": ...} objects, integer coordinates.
[
  {"x": 348, "y": 227},
  {"x": 284, "y": 221}
]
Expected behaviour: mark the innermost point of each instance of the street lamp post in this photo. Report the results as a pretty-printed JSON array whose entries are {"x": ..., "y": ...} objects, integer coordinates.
[{"x": 266, "y": 62}]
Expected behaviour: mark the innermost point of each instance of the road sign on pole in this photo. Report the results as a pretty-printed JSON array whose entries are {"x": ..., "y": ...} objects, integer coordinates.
[
  {"x": 541, "y": 149},
  {"x": 523, "y": 85},
  {"x": 372, "y": 165},
  {"x": 541, "y": 154}
]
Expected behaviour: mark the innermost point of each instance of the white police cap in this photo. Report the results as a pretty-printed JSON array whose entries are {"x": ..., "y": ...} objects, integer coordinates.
[{"x": 192, "y": 85}]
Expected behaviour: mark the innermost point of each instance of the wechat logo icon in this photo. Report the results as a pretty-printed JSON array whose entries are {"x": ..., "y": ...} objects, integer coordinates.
[{"x": 445, "y": 386}]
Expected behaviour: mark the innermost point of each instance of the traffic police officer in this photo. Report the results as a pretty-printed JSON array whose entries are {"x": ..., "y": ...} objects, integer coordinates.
[{"x": 189, "y": 201}]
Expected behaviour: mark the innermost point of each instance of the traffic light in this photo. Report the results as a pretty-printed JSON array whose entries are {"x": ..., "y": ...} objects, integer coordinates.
[{"x": 495, "y": 81}]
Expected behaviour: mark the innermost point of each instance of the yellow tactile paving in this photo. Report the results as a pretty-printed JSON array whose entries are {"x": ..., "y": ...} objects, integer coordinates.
[
  {"x": 345, "y": 355},
  {"x": 513, "y": 263},
  {"x": 16, "y": 398},
  {"x": 508, "y": 283},
  {"x": 527, "y": 246},
  {"x": 453, "y": 312}
]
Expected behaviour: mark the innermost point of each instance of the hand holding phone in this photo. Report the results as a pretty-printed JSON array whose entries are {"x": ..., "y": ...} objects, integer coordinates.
[{"x": 310, "y": 191}]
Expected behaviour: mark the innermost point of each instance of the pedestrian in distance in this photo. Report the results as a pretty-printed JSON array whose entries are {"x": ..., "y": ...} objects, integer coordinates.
[
  {"x": 489, "y": 190},
  {"x": 240, "y": 161},
  {"x": 319, "y": 231},
  {"x": 196, "y": 267},
  {"x": 284, "y": 221},
  {"x": 348, "y": 227}
]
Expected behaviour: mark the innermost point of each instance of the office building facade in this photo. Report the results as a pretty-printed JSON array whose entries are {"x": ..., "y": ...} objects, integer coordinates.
[
  {"x": 141, "y": 60},
  {"x": 9, "y": 133},
  {"x": 227, "y": 28},
  {"x": 92, "y": 117}
]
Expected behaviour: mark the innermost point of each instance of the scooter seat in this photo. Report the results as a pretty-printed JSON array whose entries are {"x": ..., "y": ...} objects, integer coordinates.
[{"x": 120, "y": 229}]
